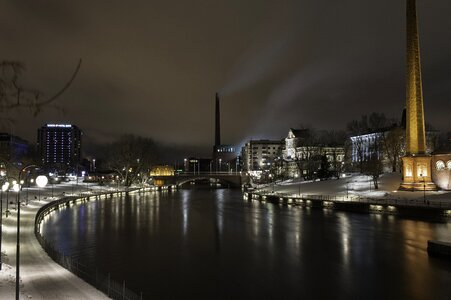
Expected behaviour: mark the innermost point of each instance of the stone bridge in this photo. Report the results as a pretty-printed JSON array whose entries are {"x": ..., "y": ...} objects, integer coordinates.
[{"x": 225, "y": 178}]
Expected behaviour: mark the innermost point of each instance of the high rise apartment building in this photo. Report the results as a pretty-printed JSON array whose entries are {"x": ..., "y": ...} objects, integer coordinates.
[{"x": 59, "y": 144}]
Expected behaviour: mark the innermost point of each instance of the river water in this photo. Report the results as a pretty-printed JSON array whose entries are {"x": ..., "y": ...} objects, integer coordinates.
[{"x": 211, "y": 244}]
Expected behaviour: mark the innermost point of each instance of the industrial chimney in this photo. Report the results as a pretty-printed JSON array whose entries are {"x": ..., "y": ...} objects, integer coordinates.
[{"x": 218, "y": 123}]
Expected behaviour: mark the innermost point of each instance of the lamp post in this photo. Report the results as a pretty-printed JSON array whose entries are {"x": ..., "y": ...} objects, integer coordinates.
[
  {"x": 42, "y": 180},
  {"x": 16, "y": 188},
  {"x": 220, "y": 165},
  {"x": 4, "y": 188},
  {"x": 28, "y": 187},
  {"x": 424, "y": 189},
  {"x": 347, "y": 189},
  {"x": 299, "y": 184}
]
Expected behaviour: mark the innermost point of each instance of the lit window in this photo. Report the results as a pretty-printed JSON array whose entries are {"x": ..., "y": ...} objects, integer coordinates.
[
  {"x": 408, "y": 171},
  {"x": 448, "y": 164},
  {"x": 422, "y": 170},
  {"x": 440, "y": 164}
]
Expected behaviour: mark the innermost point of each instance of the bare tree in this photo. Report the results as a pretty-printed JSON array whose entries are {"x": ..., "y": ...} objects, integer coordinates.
[
  {"x": 14, "y": 95},
  {"x": 131, "y": 157},
  {"x": 373, "y": 165},
  {"x": 392, "y": 143}
]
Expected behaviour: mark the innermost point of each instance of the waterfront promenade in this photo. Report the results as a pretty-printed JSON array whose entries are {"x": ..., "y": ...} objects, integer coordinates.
[
  {"x": 41, "y": 277},
  {"x": 355, "y": 189}
]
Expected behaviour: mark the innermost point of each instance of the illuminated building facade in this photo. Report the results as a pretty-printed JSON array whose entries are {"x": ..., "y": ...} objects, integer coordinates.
[
  {"x": 302, "y": 154},
  {"x": 162, "y": 171},
  {"x": 258, "y": 155},
  {"x": 59, "y": 145}
]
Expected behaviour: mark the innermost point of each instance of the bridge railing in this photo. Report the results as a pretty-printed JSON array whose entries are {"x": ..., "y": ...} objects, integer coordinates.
[{"x": 208, "y": 173}]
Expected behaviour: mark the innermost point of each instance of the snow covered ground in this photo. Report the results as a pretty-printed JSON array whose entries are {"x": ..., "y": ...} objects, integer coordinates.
[
  {"x": 357, "y": 185},
  {"x": 41, "y": 277}
]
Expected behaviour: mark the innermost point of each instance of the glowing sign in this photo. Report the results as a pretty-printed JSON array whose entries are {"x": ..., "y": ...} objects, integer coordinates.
[{"x": 59, "y": 125}]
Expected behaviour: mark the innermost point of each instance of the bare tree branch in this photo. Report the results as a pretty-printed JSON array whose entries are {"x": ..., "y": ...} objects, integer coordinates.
[{"x": 13, "y": 95}]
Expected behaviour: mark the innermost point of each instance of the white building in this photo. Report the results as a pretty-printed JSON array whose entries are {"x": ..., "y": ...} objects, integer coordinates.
[
  {"x": 303, "y": 153},
  {"x": 258, "y": 155}
]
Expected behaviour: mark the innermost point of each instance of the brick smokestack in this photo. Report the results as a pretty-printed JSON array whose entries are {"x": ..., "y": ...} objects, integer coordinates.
[{"x": 217, "y": 122}]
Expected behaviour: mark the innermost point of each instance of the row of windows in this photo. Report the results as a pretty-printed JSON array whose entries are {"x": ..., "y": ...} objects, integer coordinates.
[{"x": 440, "y": 165}]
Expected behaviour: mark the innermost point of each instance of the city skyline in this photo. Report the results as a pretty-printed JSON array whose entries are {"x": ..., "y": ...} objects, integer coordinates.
[{"x": 271, "y": 69}]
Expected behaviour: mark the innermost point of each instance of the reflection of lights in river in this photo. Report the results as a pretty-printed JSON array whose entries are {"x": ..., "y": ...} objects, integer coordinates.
[
  {"x": 185, "y": 208},
  {"x": 297, "y": 232},
  {"x": 345, "y": 237},
  {"x": 220, "y": 210},
  {"x": 270, "y": 222}
]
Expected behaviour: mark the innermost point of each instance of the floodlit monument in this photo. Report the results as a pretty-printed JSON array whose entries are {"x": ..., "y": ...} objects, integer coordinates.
[{"x": 416, "y": 163}]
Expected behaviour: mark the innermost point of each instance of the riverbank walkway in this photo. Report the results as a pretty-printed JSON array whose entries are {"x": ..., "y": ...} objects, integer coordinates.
[
  {"x": 358, "y": 188},
  {"x": 41, "y": 277}
]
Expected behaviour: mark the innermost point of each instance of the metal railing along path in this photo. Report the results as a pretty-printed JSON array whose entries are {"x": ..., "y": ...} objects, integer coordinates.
[
  {"x": 101, "y": 281},
  {"x": 429, "y": 203}
]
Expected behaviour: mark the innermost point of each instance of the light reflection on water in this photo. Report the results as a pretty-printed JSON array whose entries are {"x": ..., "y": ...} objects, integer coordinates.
[{"x": 212, "y": 244}]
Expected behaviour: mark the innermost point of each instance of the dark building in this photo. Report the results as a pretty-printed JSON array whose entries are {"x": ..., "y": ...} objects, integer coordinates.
[
  {"x": 59, "y": 145},
  {"x": 198, "y": 165},
  {"x": 12, "y": 148}
]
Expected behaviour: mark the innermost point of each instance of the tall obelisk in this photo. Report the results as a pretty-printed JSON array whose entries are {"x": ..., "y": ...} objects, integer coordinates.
[{"x": 416, "y": 163}]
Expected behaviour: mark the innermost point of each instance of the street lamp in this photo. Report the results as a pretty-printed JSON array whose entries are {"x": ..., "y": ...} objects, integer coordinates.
[
  {"x": 42, "y": 180},
  {"x": 5, "y": 186},
  {"x": 424, "y": 188},
  {"x": 16, "y": 188},
  {"x": 52, "y": 182},
  {"x": 299, "y": 183},
  {"x": 28, "y": 187},
  {"x": 347, "y": 189}
]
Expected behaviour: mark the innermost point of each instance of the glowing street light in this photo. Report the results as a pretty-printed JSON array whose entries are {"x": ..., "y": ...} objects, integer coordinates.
[
  {"x": 16, "y": 188},
  {"x": 41, "y": 181}
]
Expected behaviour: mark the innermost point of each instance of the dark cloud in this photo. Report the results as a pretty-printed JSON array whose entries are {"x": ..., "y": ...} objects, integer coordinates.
[{"x": 152, "y": 67}]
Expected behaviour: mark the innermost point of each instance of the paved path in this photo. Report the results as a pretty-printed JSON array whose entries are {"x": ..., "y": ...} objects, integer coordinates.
[{"x": 41, "y": 277}]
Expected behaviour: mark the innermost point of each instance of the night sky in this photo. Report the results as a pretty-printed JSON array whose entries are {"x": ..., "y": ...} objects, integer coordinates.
[{"x": 152, "y": 67}]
